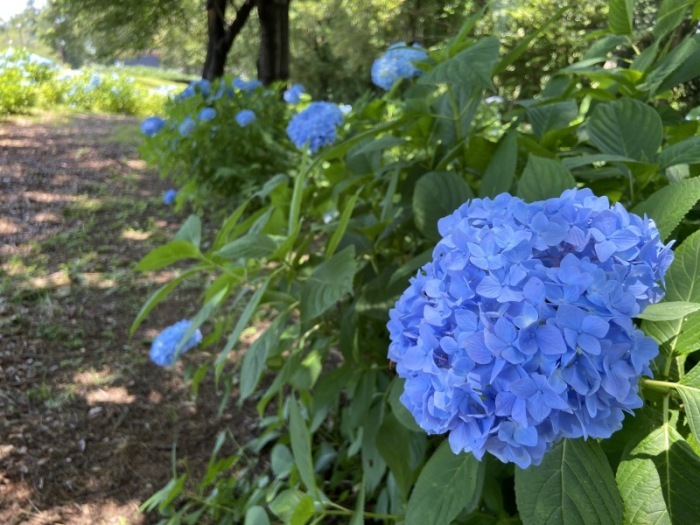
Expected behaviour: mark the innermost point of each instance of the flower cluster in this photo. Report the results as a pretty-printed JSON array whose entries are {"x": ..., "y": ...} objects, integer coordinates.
[
  {"x": 246, "y": 85},
  {"x": 164, "y": 347},
  {"x": 245, "y": 117},
  {"x": 186, "y": 127},
  {"x": 169, "y": 197},
  {"x": 151, "y": 126},
  {"x": 397, "y": 63},
  {"x": 314, "y": 127},
  {"x": 520, "y": 333},
  {"x": 207, "y": 114},
  {"x": 293, "y": 94}
]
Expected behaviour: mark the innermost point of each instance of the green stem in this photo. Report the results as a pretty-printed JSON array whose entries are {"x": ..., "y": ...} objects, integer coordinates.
[{"x": 661, "y": 386}]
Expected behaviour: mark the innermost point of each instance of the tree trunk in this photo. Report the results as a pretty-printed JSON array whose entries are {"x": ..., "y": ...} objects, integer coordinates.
[
  {"x": 273, "y": 61},
  {"x": 220, "y": 37}
]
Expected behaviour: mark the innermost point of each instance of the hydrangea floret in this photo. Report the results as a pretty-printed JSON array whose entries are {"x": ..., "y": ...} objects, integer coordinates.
[
  {"x": 315, "y": 127},
  {"x": 245, "y": 117},
  {"x": 293, "y": 94},
  {"x": 151, "y": 126},
  {"x": 207, "y": 114},
  {"x": 186, "y": 127},
  {"x": 164, "y": 347},
  {"x": 398, "y": 62},
  {"x": 169, "y": 197},
  {"x": 519, "y": 332},
  {"x": 246, "y": 85}
]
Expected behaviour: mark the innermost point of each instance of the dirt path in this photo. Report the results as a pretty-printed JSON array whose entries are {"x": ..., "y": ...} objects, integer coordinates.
[{"x": 87, "y": 422}]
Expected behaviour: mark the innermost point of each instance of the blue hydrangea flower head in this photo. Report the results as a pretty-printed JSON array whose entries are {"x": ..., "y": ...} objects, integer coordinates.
[
  {"x": 186, "y": 93},
  {"x": 315, "y": 127},
  {"x": 397, "y": 63},
  {"x": 203, "y": 87},
  {"x": 245, "y": 117},
  {"x": 151, "y": 126},
  {"x": 186, "y": 127},
  {"x": 519, "y": 332},
  {"x": 169, "y": 197},
  {"x": 164, "y": 346},
  {"x": 293, "y": 94},
  {"x": 207, "y": 114},
  {"x": 246, "y": 85}
]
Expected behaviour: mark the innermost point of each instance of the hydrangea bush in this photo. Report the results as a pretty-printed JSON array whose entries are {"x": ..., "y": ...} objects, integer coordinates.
[
  {"x": 520, "y": 252},
  {"x": 264, "y": 134}
]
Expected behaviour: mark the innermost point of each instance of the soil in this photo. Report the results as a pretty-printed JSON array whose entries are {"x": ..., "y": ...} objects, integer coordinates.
[{"x": 87, "y": 422}]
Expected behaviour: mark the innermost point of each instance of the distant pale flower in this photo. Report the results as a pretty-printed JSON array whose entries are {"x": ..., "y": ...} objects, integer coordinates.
[
  {"x": 245, "y": 117},
  {"x": 345, "y": 109},
  {"x": 186, "y": 127},
  {"x": 169, "y": 197},
  {"x": 314, "y": 127},
  {"x": 151, "y": 126},
  {"x": 246, "y": 85},
  {"x": 207, "y": 114},
  {"x": 164, "y": 347},
  {"x": 519, "y": 332},
  {"x": 397, "y": 63},
  {"x": 293, "y": 94}
]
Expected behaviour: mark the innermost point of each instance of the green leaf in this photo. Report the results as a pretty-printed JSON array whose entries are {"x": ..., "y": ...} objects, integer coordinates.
[
  {"x": 683, "y": 58},
  {"x": 205, "y": 312},
  {"x": 688, "y": 70},
  {"x": 620, "y": 16},
  {"x": 255, "y": 357},
  {"x": 229, "y": 225},
  {"x": 472, "y": 66},
  {"x": 573, "y": 485},
  {"x": 256, "y": 515},
  {"x": 670, "y": 204},
  {"x": 658, "y": 480},
  {"x": 241, "y": 324},
  {"x": 252, "y": 246},
  {"x": 285, "y": 503},
  {"x": 160, "y": 294},
  {"x": 547, "y": 117},
  {"x": 401, "y": 413},
  {"x": 448, "y": 484},
  {"x": 544, "y": 178},
  {"x": 584, "y": 160},
  {"x": 190, "y": 231},
  {"x": 681, "y": 336},
  {"x": 342, "y": 225},
  {"x": 499, "y": 174},
  {"x": 281, "y": 460},
  {"x": 301, "y": 446},
  {"x": 436, "y": 195},
  {"x": 668, "y": 310},
  {"x": 303, "y": 511},
  {"x": 328, "y": 284},
  {"x": 689, "y": 390},
  {"x": 626, "y": 127},
  {"x": 358, "y": 517},
  {"x": 394, "y": 444},
  {"x": 684, "y": 152},
  {"x": 671, "y": 13},
  {"x": 168, "y": 254}
]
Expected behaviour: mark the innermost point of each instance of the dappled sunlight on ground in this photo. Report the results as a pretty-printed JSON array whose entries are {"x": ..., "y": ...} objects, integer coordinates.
[{"x": 87, "y": 422}]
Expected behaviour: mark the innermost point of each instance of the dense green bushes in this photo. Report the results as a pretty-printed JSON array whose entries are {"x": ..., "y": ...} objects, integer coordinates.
[
  {"x": 315, "y": 260},
  {"x": 28, "y": 80}
]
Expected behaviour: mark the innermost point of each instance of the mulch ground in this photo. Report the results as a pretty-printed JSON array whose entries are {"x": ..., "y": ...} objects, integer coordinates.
[{"x": 87, "y": 422}]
